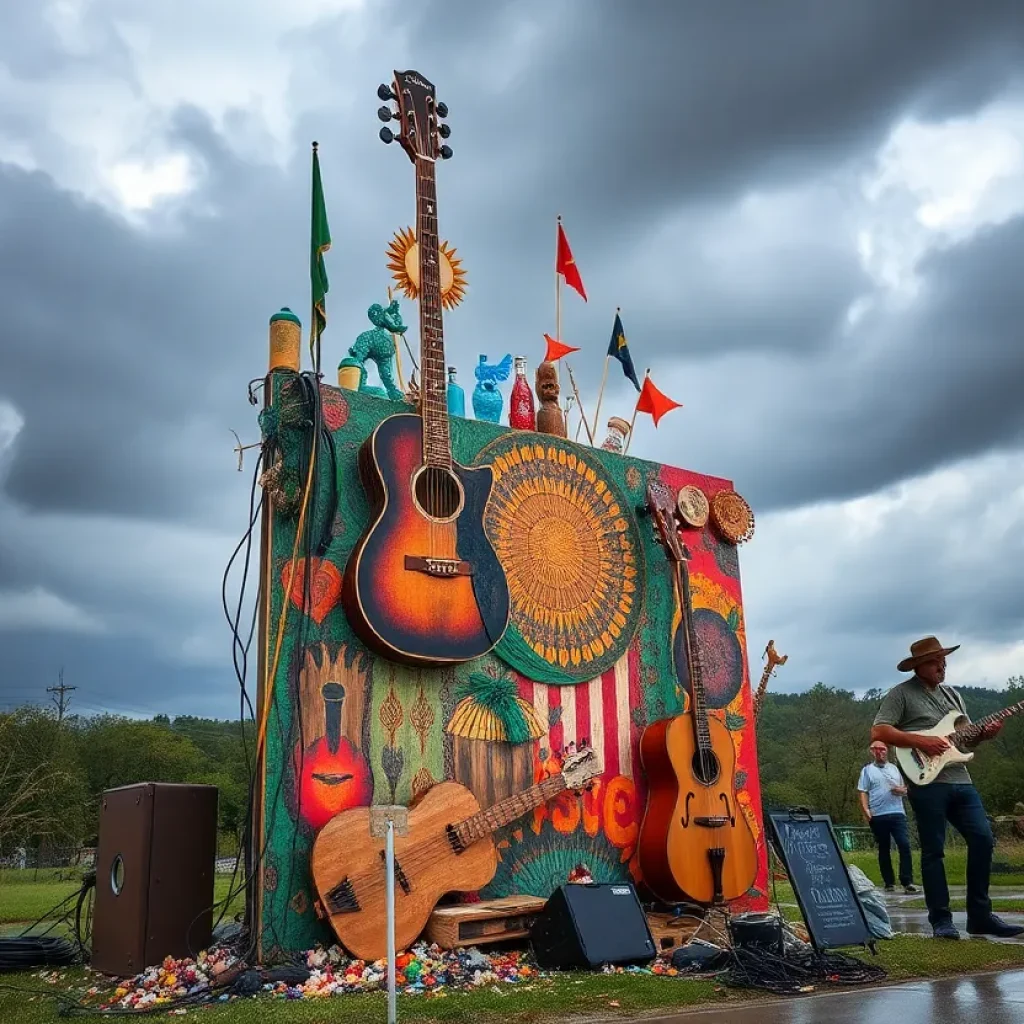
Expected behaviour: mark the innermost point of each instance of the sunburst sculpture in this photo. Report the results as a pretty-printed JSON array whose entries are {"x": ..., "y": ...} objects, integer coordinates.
[{"x": 404, "y": 264}]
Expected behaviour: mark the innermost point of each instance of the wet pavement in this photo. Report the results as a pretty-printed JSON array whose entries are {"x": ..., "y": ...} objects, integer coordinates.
[{"x": 982, "y": 999}]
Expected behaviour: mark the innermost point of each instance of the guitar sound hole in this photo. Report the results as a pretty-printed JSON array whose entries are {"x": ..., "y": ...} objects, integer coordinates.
[
  {"x": 438, "y": 493},
  {"x": 706, "y": 768}
]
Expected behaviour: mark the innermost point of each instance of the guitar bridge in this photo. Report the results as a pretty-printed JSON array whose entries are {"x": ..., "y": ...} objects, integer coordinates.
[
  {"x": 712, "y": 821},
  {"x": 438, "y": 566},
  {"x": 400, "y": 876},
  {"x": 342, "y": 898}
]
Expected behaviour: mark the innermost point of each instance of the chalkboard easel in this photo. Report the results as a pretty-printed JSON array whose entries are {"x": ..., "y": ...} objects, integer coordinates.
[{"x": 807, "y": 845}]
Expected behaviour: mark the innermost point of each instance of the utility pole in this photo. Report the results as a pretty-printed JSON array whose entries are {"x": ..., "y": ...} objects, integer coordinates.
[{"x": 61, "y": 701}]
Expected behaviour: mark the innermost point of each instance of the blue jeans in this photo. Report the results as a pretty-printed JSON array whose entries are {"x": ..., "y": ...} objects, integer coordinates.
[
  {"x": 888, "y": 827},
  {"x": 960, "y": 805}
]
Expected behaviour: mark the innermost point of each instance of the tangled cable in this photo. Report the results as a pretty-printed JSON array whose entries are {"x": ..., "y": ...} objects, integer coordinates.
[
  {"x": 797, "y": 970},
  {"x": 26, "y": 953}
]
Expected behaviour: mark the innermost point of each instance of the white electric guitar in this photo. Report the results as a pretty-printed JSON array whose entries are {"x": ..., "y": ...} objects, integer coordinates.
[{"x": 921, "y": 768}]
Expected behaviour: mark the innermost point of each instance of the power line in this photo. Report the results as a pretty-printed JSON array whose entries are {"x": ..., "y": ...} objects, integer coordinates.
[{"x": 61, "y": 701}]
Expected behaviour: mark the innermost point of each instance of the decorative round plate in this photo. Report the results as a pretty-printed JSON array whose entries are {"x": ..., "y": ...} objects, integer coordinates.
[
  {"x": 732, "y": 517},
  {"x": 565, "y": 536},
  {"x": 693, "y": 506},
  {"x": 721, "y": 657}
]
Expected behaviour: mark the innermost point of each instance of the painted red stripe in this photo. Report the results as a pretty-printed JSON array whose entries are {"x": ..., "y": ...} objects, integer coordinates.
[
  {"x": 611, "y": 723},
  {"x": 554, "y": 703},
  {"x": 636, "y": 700},
  {"x": 582, "y": 714}
]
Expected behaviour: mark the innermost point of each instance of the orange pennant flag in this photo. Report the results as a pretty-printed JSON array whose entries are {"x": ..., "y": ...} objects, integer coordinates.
[
  {"x": 652, "y": 401},
  {"x": 557, "y": 349}
]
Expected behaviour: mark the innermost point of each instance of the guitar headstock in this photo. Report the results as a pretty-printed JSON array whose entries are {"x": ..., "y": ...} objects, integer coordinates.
[
  {"x": 418, "y": 116},
  {"x": 773, "y": 656},
  {"x": 662, "y": 507},
  {"x": 579, "y": 768}
]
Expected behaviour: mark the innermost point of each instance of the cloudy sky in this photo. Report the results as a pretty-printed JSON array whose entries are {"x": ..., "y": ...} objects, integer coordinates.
[{"x": 812, "y": 216}]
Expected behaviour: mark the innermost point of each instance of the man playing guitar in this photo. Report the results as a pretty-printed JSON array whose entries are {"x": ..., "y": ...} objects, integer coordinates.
[{"x": 910, "y": 707}]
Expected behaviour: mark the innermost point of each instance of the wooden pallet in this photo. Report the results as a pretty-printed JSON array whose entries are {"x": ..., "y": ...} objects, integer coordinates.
[
  {"x": 670, "y": 932},
  {"x": 471, "y": 924}
]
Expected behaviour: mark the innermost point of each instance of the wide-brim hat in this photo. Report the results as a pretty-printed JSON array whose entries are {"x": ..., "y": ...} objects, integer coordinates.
[{"x": 924, "y": 650}]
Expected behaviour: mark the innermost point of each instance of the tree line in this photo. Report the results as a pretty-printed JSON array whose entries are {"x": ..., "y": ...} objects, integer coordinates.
[{"x": 811, "y": 747}]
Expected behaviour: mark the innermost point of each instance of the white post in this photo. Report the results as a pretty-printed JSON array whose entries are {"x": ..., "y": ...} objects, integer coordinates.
[{"x": 389, "y": 909}]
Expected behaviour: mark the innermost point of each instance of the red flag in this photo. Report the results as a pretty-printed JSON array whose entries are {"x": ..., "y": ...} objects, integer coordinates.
[
  {"x": 557, "y": 349},
  {"x": 653, "y": 401},
  {"x": 566, "y": 265}
]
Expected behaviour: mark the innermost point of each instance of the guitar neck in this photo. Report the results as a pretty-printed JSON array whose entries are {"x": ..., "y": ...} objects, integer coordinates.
[
  {"x": 761, "y": 688},
  {"x": 437, "y": 449},
  {"x": 698, "y": 700},
  {"x": 974, "y": 729},
  {"x": 507, "y": 810}
]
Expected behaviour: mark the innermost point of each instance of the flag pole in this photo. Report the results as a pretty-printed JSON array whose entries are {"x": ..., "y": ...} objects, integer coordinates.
[
  {"x": 579, "y": 403},
  {"x": 314, "y": 334},
  {"x": 632, "y": 422},
  {"x": 558, "y": 285},
  {"x": 604, "y": 380}
]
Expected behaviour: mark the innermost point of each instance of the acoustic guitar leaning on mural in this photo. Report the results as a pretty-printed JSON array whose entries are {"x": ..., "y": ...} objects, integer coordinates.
[
  {"x": 448, "y": 848},
  {"x": 423, "y": 585},
  {"x": 695, "y": 842}
]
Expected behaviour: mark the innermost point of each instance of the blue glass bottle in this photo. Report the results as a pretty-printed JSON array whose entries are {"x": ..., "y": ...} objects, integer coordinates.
[{"x": 456, "y": 396}]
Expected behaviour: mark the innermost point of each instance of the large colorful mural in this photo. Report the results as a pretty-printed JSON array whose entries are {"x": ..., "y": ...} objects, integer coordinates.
[{"x": 588, "y": 659}]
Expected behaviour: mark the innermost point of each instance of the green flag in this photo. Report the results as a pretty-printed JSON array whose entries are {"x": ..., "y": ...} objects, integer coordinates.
[{"x": 320, "y": 242}]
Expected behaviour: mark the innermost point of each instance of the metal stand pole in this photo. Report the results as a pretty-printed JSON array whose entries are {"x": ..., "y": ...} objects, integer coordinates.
[{"x": 389, "y": 905}]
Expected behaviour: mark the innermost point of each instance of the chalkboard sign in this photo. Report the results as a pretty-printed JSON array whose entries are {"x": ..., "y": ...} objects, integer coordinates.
[{"x": 807, "y": 845}]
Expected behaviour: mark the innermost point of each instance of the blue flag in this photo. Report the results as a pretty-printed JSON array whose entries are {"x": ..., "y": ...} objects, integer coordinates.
[{"x": 618, "y": 349}]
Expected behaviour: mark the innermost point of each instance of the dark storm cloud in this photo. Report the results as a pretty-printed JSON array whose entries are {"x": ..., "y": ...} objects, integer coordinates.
[
  {"x": 933, "y": 386},
  {"x": 615, "y": 109}
]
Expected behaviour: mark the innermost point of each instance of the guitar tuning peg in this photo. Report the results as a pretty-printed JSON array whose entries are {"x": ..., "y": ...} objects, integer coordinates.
[
  {"x": 386, "y": 114},
  {"x": 444, "y": 131},
  {"x": 442, "y": 110},
  {"x": 386, "y": 135},
  {"x": 446, "y": 152},
  {"x": 384, "y": 92}
]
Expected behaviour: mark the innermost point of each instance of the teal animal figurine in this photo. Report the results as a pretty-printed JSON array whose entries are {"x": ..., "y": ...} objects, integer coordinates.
[
  {"x": 379, "y": 346},
  {"x": 486, "y": 396}
]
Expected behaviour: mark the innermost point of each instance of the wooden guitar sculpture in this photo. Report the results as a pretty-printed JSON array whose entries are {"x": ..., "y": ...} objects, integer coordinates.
[
  {"x": 921, "y": 768},
  {"x": 448, "y": 849},
  {"x": 774, "y": 659},
  {"x": 695, "y": 844},
  {"x": 423, "y": 585}
]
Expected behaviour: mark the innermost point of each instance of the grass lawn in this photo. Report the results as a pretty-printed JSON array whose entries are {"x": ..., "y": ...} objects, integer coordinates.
[
  {"x": 24, "y": 898},
  {"x": 545, "y": 1000},
  {"x": 1007, "y": 864}
]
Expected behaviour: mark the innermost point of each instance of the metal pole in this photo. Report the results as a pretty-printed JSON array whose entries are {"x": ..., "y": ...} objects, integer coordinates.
[{"x": 389, "y": 909}]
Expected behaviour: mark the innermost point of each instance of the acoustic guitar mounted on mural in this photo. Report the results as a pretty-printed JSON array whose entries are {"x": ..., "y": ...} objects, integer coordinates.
[
  {"x": 695, "y": 842},
  {"x": 448, "y": 848},
  {"x": 423, "y": 585}
]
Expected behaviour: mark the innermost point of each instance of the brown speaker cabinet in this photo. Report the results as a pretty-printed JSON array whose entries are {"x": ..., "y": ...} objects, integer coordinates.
[{"x": 154, "y": 875}]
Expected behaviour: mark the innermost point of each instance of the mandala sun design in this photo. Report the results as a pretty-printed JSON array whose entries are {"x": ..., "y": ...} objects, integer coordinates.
[
  {"x": 571, "y": 554},
  {"x": 404, "y": 264}
]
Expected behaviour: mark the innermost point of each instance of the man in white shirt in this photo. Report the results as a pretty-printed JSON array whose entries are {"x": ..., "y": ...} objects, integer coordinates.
[{"x": 881, "y": 789}]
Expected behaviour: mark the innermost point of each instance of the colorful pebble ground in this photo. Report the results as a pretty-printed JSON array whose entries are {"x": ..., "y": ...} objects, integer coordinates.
[{"x": 425, "y": 970}]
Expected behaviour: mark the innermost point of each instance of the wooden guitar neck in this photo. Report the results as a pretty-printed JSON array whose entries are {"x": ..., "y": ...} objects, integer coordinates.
[
  {"x": 774, "y": 659},
  {"x": 437, "y": 449}
]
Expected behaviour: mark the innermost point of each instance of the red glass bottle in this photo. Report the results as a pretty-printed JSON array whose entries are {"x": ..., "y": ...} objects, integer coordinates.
[{"x": 522, "y": 413}]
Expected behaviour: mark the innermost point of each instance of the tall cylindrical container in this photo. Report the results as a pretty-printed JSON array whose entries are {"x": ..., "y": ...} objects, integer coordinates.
[
  {"x": 285, "y": 340},
  {"x": 522, "y": 412},
  {"x": 456, "y": 396}
]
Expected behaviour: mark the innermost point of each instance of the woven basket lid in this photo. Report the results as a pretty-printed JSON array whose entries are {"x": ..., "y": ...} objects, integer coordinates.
[
  {"x": 693, "y": 506},
  {"x": 732, "y": 517}
]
